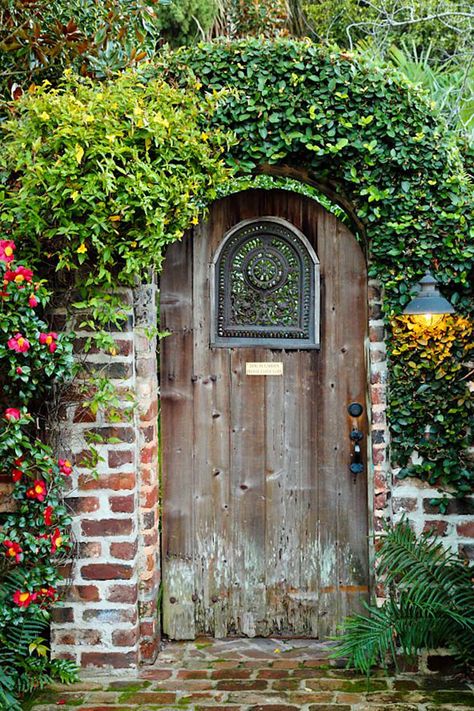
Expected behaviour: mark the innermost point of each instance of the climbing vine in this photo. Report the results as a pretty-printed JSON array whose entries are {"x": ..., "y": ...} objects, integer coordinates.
[
  {"x": 430, "y": 401},
  {"x": 371, "y": 141}
]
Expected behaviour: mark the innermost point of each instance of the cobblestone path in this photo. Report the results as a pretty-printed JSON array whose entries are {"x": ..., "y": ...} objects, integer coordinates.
[{"x": 255, "y": 675}]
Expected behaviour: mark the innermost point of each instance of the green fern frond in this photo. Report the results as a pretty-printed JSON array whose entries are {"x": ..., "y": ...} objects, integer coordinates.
[
  {"x": 20, "y": 637},
  {"x": 64, "y": 671},
  {"x": 430, "y": 603},
  {"x": 366, "y": 640},
  {"x": 423, "y": 567}
]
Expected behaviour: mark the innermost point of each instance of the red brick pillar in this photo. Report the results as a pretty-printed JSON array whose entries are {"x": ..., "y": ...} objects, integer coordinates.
[
  {"x": 109, "y": 617},
  {"x": 146, "y": 389}
]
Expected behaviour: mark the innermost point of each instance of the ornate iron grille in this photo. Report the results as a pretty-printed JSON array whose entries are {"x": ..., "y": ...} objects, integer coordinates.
[{"x": 266, "y": 276}]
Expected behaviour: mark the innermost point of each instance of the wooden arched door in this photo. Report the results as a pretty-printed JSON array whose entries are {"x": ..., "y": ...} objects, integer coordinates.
[{"x": 264, "y": 526}]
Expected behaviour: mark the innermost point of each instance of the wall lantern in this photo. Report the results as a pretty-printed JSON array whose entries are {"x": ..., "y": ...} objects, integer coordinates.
[{"x": 428, "y": 305}]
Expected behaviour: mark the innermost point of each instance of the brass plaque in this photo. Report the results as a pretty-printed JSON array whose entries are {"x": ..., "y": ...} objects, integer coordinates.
[{"x": 275, "y": 368}]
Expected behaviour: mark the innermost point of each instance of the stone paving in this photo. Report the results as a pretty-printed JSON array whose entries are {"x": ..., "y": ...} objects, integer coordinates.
[{"x": 256, "y": 675}]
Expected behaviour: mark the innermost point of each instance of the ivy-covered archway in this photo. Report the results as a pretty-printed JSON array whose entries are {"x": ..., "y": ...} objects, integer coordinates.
[{"x": 373, "y": 143}]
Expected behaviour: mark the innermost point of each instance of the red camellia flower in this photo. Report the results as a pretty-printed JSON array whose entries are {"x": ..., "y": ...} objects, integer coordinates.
[
  {"x": 12, "y": 413},
  {"x": 33, "y": 301},
  {"x": 56, "y": 540},
  {"x": 48, "y": 515},
  {"x": 17, "y": 472},
  {"x": 37, "y": 491},
  {"x": 7, "y": 247},
  {"x": 20, "y": 275},
  {"x": 14, "y": 550},
  {"x": 19, "y": 371},
  {"x": 49, "y": 592},
  {"x": 24, "y": 599},
  {"x": 65, "y": 466},
  {"x": 18, "y": 343},
  {"x": 49, "y": 339}
]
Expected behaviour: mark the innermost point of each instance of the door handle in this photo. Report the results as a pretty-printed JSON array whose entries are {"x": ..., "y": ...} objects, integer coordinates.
[{"x": 356, "y": 466}]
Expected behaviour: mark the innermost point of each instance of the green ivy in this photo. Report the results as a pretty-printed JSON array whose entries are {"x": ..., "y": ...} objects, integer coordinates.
[
  {"x": 369, "y": 138},
  {"x": 431, "y": 405}
]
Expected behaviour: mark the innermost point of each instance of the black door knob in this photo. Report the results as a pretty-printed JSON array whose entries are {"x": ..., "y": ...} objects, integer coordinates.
[{"x": 355, "y": 409}]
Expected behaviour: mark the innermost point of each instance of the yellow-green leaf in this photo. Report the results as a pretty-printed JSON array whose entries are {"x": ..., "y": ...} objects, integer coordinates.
[{"x": 79, "y": 152}]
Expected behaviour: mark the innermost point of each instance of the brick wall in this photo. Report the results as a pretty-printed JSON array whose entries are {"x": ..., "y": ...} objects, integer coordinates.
[{"x": 110, "y": 614}]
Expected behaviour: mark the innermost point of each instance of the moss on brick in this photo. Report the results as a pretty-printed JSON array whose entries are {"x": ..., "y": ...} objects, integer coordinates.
[
  {"x": 440, "y": 684},
  {"x": 361, "y": 685},
  {"x": 130, "y": 686},
  {"x": 446, "y": 699},
  {"x": 54, "y": 697},
  {"x": 139, "y": 695}
]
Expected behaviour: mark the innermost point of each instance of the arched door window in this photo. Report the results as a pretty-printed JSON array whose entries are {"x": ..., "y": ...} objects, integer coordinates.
[{"x": 265, "y": 287}]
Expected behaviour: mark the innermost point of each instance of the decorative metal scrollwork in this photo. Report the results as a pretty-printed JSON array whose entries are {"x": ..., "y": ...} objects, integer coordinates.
[{"x": 266, "y": 285}]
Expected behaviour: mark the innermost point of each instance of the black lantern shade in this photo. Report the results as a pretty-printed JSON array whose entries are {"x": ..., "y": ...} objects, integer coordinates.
[{"x": 428, "y": 300}]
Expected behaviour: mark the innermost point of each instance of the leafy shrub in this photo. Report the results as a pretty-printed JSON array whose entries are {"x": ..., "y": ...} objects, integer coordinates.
[
  {"x": 430, "y": 599},
  {"x": 39, "y": 40},
  {"x": 108, "y": 174},
  {"x": 183, "y": 22}
]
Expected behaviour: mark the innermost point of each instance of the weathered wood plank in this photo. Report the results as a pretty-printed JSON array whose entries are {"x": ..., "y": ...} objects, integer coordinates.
[
  {"x": 204, "y": 524},
  {"x": 342, "y": 378},
  {"x": 352, "y": 494},
  {"x": 331, "y": 444},
  {"x": 294, "y": 412},
  {"x": 177, "y": 438},
  {"x": 219, "y": 449},
  {"x": 211, "y": 452},
  {"x": 308, "y": 504},
  {"x": 248, "y": 493},
  {"x": 276, "y": 469}
]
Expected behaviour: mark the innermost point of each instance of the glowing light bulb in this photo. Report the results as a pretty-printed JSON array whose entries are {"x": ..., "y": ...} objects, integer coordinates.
[{"x": 428, "y": 320}]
